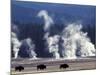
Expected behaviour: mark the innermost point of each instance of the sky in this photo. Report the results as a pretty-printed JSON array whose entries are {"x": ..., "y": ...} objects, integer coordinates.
[{"x": 59, "y": 12}]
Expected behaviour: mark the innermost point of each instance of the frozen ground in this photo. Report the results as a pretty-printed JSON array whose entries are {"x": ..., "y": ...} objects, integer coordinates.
[{"x": 30, "y": 66}]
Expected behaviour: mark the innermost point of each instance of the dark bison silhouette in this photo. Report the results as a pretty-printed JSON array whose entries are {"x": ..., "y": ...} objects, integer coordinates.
[
  {"x": 41, "y": 67},
  {"x": 19, "y": 68},
  {"x": 64, "y": 66}
]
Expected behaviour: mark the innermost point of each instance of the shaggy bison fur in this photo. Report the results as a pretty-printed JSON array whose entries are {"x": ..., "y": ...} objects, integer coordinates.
[
  {"x": 64, "y": 66},
  {"x": 19, "y": 68},
  {"x": 41, "y": 67}
]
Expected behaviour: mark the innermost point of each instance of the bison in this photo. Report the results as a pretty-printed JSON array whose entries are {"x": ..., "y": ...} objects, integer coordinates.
[
  {"x": 41, "y": 67},
  {"x": 64, "y": 66},
  {"x": 19, "y": 68}
]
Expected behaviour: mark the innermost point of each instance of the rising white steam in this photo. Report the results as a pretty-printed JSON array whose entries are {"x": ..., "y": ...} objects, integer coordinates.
[
  {"x": 48, "y": 22},
  {"x": 14, "y": 29},
  {"x": 52, "y": 41},
  {"x": 47, "y": 19},
  {"x": 76, "y": 43},
  {"x": 53, "y": 45},
  {"x": 29, "y": 47},
  {"x": 16, "y": 44}
]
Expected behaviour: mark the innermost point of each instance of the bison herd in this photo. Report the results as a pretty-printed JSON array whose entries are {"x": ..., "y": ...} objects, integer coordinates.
[{"x": 41, "y": 67}]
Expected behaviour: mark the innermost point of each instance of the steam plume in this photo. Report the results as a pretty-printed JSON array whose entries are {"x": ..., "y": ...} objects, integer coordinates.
[
  {"x": 28, "y": 48},
  {"x": 52, "y": 41},
  {"x": 53, "y": 45},
  {"x": 16, "y": 44},
  {"x": 76, "y": 43},
  {"x": 47, "y": 21}
]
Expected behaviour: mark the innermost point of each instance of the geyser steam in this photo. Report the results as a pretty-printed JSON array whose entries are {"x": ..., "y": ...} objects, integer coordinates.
[
  {"x": 47, "y": 20},
  {"x": 15, "y": 43},
  {"x": 21, "y": 48},
  {"x": 53, "y": 45},
  {"x": 52, "y": 41},
  {"x": 76, "y": 43},
  {"x": 27, "y": 48}
]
